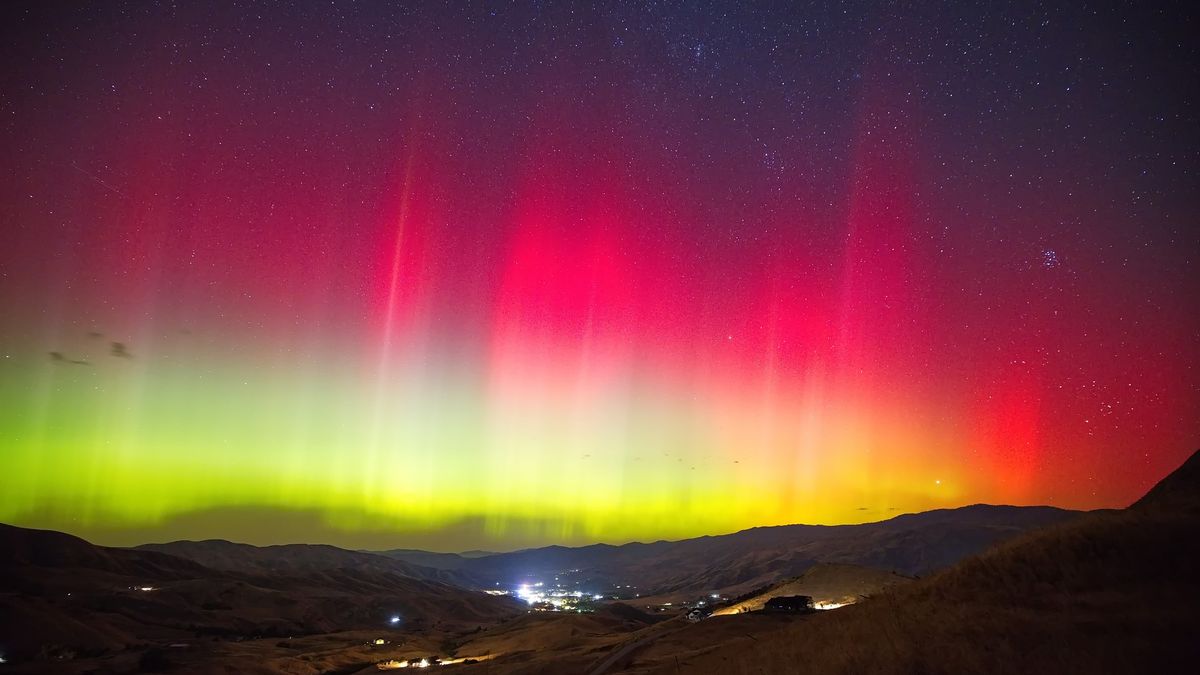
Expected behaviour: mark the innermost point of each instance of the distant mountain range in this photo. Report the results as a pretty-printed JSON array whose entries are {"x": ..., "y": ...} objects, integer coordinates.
[
  {"x": 219, "y": 554},
  {"x": 911, "y": 544}
]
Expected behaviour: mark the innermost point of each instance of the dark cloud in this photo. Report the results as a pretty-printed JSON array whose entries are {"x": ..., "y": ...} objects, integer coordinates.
[{"x": 58, "y": 357}]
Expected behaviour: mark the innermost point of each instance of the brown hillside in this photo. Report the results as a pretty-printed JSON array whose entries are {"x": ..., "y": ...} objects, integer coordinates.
[
  {"x": 824, "y": 583},
  {"x": 1111, "y": 592},
  {"x": 62, "y": 598}
]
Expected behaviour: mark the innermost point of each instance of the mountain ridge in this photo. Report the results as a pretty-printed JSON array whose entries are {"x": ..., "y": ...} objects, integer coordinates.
[
  {"x": 222, "y": 554},
  {"x": 909, "y": 544}
]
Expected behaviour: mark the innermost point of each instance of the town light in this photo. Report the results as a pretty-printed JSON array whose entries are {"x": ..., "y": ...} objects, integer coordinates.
[
  {"x": 528, "y": 595},
  {"x": 829, "y": 605}
]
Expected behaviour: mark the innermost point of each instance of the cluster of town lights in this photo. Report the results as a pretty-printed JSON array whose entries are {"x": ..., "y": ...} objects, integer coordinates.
[
  {"x": 532, "y": 594},
  {"x": 396, "y": 665}
]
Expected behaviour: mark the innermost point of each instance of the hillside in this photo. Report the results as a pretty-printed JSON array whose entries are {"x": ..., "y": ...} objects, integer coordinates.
[
  {"x": 27, "y": 548},
  {"x": 61, "y": 597},
  {"x": 825, "y": 583},
  {"x": 1177, "y": 493},
  {"x": 557, "y": 643},
  {"x": 1111, "y": 592}
]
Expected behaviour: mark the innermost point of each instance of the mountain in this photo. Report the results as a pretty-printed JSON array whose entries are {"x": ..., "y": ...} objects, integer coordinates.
[
  {"x": 910, "y": 545},
  {"x": 26, "y": 548},
  {"x": 301, "y": 558},
  {"x": 1110, "y": 592},
  {"x": 62, "y": 598}
]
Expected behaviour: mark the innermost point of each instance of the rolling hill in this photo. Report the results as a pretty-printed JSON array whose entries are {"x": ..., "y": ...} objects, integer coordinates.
[
  {"x": 1111, "y": 592},
  {"x": 63, "y": 598},
  {"x": 824, "y": 583}
]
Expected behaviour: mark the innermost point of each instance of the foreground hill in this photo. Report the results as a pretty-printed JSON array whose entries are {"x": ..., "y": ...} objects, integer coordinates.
[
  {"x": 910, "y": 545},
  {"x": 62, "y": 598},
  {"x": 1113, "y": 592}
]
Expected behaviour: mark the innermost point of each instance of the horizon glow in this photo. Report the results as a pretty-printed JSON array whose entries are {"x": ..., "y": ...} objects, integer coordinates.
[{"x": 478, "y": 308}]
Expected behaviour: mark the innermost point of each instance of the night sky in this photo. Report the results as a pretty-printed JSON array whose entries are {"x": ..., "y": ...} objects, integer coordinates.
[{"x": 487, "y": 275}]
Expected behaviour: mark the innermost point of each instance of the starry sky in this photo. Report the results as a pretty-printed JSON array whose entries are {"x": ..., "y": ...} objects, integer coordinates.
[{"x": 490, "y": 275}]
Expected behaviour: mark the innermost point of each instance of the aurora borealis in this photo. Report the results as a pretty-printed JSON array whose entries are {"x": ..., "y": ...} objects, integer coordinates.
[{"x": 492, "y": 275}]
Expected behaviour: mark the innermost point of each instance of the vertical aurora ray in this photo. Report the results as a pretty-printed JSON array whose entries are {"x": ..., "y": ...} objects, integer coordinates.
[{"x": 385, "y": 375}]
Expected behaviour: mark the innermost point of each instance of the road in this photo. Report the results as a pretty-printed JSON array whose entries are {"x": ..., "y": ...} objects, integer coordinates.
[
  {"x": 620, "y": 654},
  {"x": 627, "y": 649}
]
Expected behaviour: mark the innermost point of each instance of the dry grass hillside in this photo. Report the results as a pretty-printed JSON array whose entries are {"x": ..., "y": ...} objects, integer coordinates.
[
  {"x": 1112, "y": 592},
  {"x": 547, "y": 644},
  {"x": 65, "y": 600},
  {"x": 824, "y": 583}
]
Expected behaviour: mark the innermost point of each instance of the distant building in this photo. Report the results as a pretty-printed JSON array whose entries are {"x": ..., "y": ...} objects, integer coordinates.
[{"x": 790, "y": 603}]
